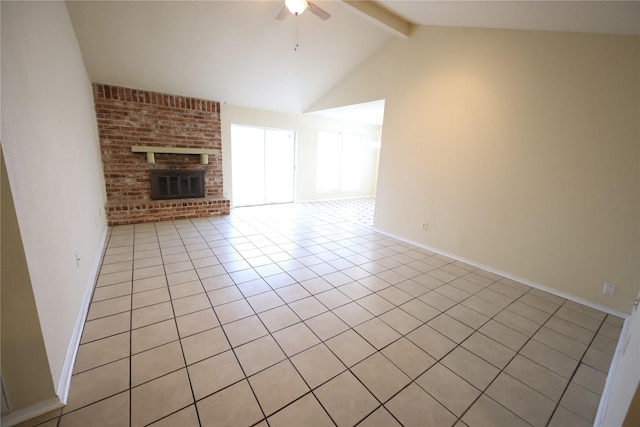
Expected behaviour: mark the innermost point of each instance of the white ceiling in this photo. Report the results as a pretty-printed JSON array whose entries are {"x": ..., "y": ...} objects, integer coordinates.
[
  {"x": 229, "y": 51},
  {"x": 618, "y": 17},
  {"x": 236, "y": 52}
]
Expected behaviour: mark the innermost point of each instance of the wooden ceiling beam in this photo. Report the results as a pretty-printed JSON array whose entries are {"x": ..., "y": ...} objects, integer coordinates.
[{"x": 380, "y": 16}]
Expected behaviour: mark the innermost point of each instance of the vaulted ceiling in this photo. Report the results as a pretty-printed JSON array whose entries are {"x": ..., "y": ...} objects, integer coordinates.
[{"x": 237, "y": 52}]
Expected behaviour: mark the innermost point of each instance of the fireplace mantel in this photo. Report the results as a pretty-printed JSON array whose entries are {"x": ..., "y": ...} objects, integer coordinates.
[{"x": 151, "y": 150}]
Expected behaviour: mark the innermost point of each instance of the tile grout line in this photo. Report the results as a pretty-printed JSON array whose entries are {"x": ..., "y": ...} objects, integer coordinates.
[
  {"x": 575, "y": 371},
  {"x": 287, "y": 357},
  {"x": 377, "y": 351},
  {"x": 502, "y": 370},
  {"x": 175, "y": 322},
  {"x": 296, "y": 231},
  {"x": 232, "y": 349},
  {"x": 459, "y": 345},
  {"x": 348, "y": 369},
  {"x": 133, "y": 269},
  {"x": 477, "y": 329}
]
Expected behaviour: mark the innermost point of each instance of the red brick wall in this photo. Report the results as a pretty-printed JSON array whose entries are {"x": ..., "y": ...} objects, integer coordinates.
[{"x": 129, "y": 117}]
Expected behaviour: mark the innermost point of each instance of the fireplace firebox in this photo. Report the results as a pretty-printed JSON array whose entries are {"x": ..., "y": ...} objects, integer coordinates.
[{"x": 177, "y": 184}]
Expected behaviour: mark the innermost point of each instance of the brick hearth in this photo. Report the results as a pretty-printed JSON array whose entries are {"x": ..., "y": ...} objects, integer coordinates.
[{"x": 128, "y": 117}]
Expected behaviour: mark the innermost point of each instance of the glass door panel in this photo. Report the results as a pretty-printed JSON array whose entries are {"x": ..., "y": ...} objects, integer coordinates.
[
  {"x": 263, "y": 165},
  {"x": 279, "y": 166},
  {"x": 247, "y": 154}
]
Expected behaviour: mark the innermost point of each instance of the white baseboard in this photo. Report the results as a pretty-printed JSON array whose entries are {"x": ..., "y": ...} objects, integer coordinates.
[
  {"x": 21, "y": 415},
  {"x": 510, "y": 276},
  {"x": 62, "y": 390}
]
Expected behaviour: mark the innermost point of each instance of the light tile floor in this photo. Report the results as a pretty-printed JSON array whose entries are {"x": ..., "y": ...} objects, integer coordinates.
[
  {"x": 293, "y": 316},
  {"x": 359, "y": 210}
]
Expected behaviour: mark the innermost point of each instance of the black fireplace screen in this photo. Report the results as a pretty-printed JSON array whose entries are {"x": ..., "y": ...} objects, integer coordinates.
[{"x": 177, "y": 184}]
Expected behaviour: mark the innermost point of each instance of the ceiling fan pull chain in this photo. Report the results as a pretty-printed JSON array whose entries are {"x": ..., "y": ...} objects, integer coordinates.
[{"x": 297, "y": 36}]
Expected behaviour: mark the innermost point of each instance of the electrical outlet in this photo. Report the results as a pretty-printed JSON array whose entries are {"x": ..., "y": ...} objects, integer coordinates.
[
  {"x": 424, "y": 225},
  {"x": 609, "y": 289}
]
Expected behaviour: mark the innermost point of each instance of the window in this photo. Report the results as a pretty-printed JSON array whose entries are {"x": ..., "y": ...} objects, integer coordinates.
[{"x": 339, "y": 162}]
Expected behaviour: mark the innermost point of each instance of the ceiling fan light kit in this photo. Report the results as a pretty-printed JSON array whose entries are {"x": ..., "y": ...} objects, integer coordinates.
[{"x": 296, "y": 6}]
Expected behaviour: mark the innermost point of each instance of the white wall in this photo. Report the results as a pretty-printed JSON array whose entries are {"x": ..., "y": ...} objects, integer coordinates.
[
  {"x": 49, "y": 138},
  {"x": 25, "y": 368},
  {"x": 307, "y": 128},
  {"x": 520, "y": 148},
  {"x": 624, "y": 375}
]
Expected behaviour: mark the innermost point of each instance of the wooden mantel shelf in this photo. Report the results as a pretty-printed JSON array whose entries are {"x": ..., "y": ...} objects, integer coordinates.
[{"x": 151, "y": 150}]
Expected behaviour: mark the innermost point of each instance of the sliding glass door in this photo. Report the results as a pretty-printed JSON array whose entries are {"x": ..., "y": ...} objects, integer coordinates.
[{"x": 263, "y": 165}]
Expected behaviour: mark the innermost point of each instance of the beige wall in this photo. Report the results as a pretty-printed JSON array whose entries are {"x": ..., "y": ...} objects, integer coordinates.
[
  {"x": 25, "y": 369},
  {"x": 520, "y": 149},
  {"x": 307, "y": 128},
  {"x": 49, "y": 137}
]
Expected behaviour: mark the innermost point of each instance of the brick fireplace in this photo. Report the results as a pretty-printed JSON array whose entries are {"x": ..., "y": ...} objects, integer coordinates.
[{"x": 130, "y": 119}]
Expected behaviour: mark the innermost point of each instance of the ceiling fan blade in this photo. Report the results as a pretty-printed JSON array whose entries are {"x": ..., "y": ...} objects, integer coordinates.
[
  {"x": 282, "y": 14},
  {"x": 316, "y": 10}
]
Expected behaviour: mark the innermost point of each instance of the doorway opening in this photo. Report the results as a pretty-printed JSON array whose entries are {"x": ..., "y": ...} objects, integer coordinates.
[
  {"x": 262, "y": 165},
  {"x": 347, "y": 160}
]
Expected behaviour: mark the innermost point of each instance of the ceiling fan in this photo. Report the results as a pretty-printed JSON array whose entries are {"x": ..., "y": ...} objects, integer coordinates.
[{"x": 296, "y": 7}]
